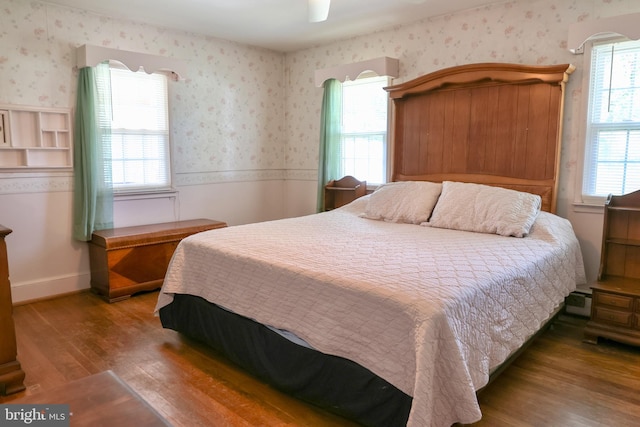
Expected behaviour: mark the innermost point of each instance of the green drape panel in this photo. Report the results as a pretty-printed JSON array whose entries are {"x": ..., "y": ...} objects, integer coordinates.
[
  {"x": 330, "y": 125},
  {"x": 93, "y": 190}
]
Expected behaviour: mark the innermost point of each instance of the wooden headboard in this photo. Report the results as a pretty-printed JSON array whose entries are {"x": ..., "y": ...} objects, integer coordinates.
[{"x": 489, "y": 123}]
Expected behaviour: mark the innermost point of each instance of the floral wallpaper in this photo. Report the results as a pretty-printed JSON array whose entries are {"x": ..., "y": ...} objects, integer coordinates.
[
  {"x": 227, "y": 115},
  {"x": 249, "y": 113},
  {"x": 526, "y": 32}
]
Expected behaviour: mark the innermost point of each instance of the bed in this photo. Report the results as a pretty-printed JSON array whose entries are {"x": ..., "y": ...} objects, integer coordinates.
[{"x": 398, "y": 307}]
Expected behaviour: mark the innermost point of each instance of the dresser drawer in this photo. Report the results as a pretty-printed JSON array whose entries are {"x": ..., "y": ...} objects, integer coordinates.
[
  {"x": 616, "y": 317},
  {"x": 617, "y": 301}
]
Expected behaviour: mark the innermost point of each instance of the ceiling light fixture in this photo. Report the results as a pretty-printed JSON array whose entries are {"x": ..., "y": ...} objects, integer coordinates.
[{"x": 318, "y": 10}]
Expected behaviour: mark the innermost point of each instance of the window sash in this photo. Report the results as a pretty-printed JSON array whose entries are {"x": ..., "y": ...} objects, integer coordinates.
[
  {"x": 139, "y": 160},
  {"x": 364, "y": 155},
  {"x": 140, "y": 142},
  {"x": 612, "y": 152},
  {"x": 364, "y": 130}
]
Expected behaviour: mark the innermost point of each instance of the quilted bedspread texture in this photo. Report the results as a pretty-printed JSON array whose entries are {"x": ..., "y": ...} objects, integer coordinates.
[{"x": 430, "y": 310}]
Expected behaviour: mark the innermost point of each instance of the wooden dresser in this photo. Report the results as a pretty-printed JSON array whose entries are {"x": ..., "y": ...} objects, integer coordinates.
[
  {"x": 615, "y": 306},
  {"x": 11, "y": 373},
  {"x": 127, "y": 260}
]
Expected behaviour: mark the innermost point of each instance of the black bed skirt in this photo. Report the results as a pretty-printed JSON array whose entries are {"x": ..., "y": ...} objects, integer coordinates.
[{"x": 333, "y": 383}]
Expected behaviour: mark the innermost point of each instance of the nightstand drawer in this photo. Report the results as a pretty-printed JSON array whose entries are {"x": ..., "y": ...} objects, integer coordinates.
[
  {"x": 617, "y": 301},
  {"x": 612, "y": 316}
]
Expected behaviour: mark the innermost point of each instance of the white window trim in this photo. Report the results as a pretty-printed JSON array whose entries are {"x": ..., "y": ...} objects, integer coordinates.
[
  {"x": 581, "y": 38},
  {"x": 388, "y": 155},
  {"x": 580, "y": 198},
  {"x": 582, "y": 133},
  {"x": 136, "y": 192}
]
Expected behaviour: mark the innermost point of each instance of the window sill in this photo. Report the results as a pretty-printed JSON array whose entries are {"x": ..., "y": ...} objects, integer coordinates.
[
  {"x": 161, "y": 194},
  {"x": 588, "y": 208}
]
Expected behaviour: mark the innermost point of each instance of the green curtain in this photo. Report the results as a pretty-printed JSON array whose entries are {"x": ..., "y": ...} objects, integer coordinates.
[
  {"x": 93, "y": 190},
  {"x": 330, "y": 124}
]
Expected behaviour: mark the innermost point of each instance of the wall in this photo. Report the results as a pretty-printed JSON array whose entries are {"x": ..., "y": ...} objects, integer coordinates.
[
  {"x": 526, "y": 32},
  {"x": 228, "y": 147},
  {"x": 245, "y": 148}
]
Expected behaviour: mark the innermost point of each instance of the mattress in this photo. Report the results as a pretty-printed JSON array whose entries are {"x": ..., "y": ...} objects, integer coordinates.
[
  {"x": 432, "y": 311},
  {"x": 335, "y": 384}
]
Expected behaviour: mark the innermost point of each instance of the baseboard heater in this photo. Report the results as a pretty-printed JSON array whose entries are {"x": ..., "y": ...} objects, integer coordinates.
[{"x": 579, "y": 303}]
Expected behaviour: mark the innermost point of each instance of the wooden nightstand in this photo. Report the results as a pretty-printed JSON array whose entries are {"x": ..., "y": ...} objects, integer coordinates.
[
  {"x": 615, "y": 307},
  {"x": 615, "y": 312},
  {"x": 342, "y": 191},
  {"x": 133, "y": 259}
]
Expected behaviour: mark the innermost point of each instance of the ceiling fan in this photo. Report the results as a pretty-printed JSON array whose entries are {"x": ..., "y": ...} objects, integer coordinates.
[{"x": 318, "y": 10}]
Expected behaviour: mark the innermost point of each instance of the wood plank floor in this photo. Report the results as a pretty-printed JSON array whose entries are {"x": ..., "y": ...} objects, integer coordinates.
[{"x": 557, "y": 381}]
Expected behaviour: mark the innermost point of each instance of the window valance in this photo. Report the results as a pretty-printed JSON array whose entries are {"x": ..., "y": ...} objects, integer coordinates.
[
  {"x": 383, "y": 66},
  {"x": 579, "y": 33},
  {"x": 90, "y": 56}
]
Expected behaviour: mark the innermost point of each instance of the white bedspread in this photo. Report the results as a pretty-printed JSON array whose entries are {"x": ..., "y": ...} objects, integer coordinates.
[{"x": 430, "y": 310}]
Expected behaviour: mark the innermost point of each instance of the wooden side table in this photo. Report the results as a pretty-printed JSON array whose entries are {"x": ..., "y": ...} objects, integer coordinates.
[
  {"x": 615, "y": 307},
  {"x": 99, "y": 400},
  {"x": 342, "y": 191},
  {"x": 615, "y": 312},
  {"x": 11, "y": 373},
  {"x": 127, "y": 260}
]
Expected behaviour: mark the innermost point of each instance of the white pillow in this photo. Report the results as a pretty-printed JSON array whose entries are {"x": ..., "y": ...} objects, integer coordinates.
[
  {"x": 485, "y": 209},
  {"x": 403, "y": 201}
]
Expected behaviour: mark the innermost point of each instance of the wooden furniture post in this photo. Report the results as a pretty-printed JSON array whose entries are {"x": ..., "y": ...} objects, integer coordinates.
[{"x": 11, "y": 373}]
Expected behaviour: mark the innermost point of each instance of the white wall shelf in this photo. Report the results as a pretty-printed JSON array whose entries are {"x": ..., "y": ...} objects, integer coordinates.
[{"x": 35, "y": 138}]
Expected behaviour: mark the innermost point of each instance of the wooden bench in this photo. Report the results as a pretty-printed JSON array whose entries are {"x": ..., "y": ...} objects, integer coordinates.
[{"x": 127, "y": 260}]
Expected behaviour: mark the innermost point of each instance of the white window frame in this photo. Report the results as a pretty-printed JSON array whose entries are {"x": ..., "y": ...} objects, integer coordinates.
[
  {"x": 344, "y": 135},
  {"x": 142, "y": 188},
  {"x": 582, "y": 196}
]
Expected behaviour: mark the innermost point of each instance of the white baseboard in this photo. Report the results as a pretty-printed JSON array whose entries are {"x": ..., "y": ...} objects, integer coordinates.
[{"x": 31, "y": 291}]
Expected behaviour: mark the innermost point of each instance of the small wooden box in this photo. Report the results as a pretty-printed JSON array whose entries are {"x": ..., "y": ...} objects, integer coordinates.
[{"x": 127, "y": 260}]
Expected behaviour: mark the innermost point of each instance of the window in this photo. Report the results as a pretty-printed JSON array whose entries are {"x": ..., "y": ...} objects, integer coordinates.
[
  {"x": 612, "y": 153},
  {"x": 364, "y": 129},
  {"x": 140, "y": 152}
]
